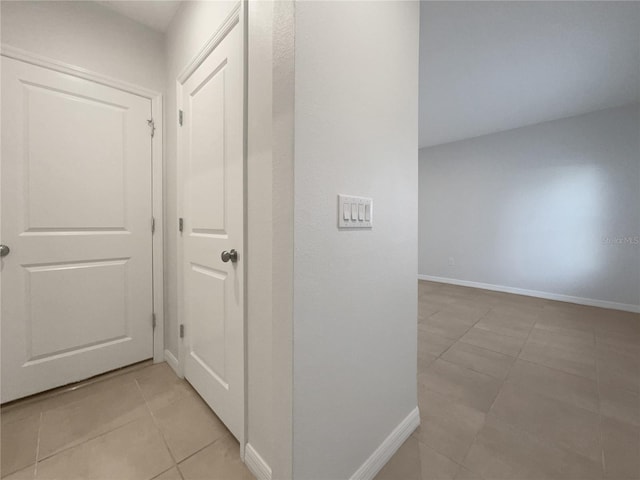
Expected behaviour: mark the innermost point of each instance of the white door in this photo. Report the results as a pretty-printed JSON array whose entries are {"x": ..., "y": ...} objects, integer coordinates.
[
  {"x": 213, "y": 290},
  {"x": 76, "y": 212}
]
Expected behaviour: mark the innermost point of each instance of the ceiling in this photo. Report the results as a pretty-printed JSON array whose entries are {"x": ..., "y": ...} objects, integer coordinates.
[
  {"x": 156, "y": 14},
  {"x": 492, "y": 66}
]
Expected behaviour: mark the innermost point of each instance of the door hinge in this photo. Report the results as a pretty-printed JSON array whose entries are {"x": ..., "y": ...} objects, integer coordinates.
[
  {"x": 181, "y": 330},
  {"x": 180, "y": 117},
  {"x": 153, "y": 320},
  {"x": 152, "y": 126},
  {"x": 180, "y": 224},
  {"x": 153, "y": 224}
]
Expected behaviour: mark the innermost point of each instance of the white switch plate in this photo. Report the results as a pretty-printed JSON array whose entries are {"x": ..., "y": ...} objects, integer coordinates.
[{"x": 355, "y": 205}]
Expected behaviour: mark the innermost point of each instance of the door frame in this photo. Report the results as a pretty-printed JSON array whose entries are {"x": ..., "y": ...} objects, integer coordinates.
[
  {"x": 236, "y": 17},
  {"x": 157, "y": 237}
]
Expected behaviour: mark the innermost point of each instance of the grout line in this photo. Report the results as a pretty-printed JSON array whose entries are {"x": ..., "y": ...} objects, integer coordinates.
[
  {"x": 89, "y": 439},
  {"x": 162, "y": 473},
  {"x": 206, "y": 446},
  {"x": 155, "y": 422},
  {"x": 504, "y": 381},
  {"x": 465, "y": 332},
  {"x": 35, "y": 466}
]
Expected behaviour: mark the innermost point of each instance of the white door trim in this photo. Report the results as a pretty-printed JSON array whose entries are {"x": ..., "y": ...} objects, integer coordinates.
[
  {"x": 236, "y": 16},
  {"x": 157, "y": 172}
]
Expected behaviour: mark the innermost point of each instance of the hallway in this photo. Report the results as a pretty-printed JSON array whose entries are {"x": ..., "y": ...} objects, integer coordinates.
[
  {"x": 140, "y": 423},
  {"x": 514, "y": 387}
]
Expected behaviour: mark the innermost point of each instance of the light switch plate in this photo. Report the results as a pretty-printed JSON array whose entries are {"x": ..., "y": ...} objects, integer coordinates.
[{"x": 356, "y": 205}]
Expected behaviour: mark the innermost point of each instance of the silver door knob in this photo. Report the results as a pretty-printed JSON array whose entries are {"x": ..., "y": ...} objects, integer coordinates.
[
  {"x": 4, "y": 250},
  {"x": 230, "y": 255}
]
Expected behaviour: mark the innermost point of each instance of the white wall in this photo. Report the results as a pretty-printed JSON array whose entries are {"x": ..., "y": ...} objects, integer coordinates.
[
  {"x": 87, "y": 35},
  {"x": 531, "y": 208},
  {"x": 260, "y": 230},
  {"x": 354, "y": 292},
  {"x": 283, "y": 128}
]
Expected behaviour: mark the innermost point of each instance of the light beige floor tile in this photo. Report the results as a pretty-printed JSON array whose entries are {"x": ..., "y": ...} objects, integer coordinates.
[
  {"x": 446, "y": 325},
  {"x": 479, "y": 359},
  {"x": 135, "y": 451},
  {"x": 26, "y": 473},
  {"x": 509, "y": 300},
  {"x": 432, "y": 344},
  {"x": 424, "y": 360},
  {"x": 440, "y": 299},
  {"x": 525, "y": 312},
  {"x": 551, "y": 325},
  {"x": 425, "y": 310},
  {"x": 618, "y": 355},
  {"x": 627, "y": 379},
  {"x": 550, "y": 420},
  {"x": 620, "y": 404},
  {"x": 428, "y": 286},
  {"x": 552, "y": 319},
  {"x": 623, "y": 324},
  {"x": 161, "y": 386},
  {"x": 188, "y": 425},
  {"x": 467, "y": 310},
  {"x": 405, "y": 463},
  {"x": 19, "y": 443},
  {"x": 618, "y": 366},
  {"x": 578, "y": 362},
  {"x": 571, "y": 389},
  {"x": 446, "y": 425},
  {"x": 563, "y": 338},
  {"x": 506, "y": 325},
  {"x": 470, "y": 388},
  {"x": 493, "y": 341},
  {"x": 171, "y": 474},
  {"x": 219, "y": 461},
  {"x": 20, "y": 410},
  {"x": 501, "y": 452},
  {"x": 622, "y": 343},
  {"x": 466, "y": 474},
  {"x": 436, "y": 466},
  {"x": 96, "y": 410},
  {"x": 621, "y": 448},
  {"x": 91, "y": 388}
]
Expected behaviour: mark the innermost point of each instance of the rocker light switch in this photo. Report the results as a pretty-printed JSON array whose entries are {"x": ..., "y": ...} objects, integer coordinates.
[{"x": 354, "y": 212}]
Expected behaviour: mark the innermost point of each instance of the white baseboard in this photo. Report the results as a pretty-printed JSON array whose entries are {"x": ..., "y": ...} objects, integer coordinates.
[
  {"x": 627, "y": 307},
  {"x": 378, "y": 459},
  {"x": 171, "y": 359},
  {"x": 256, "y": 464}
]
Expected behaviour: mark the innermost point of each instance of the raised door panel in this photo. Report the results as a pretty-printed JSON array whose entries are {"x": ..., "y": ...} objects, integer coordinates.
[
  {"x": 207, "y": 168},
  {"x": 75, "y": 161}
]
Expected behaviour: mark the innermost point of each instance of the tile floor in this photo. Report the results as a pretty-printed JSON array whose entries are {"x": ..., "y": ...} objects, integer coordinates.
[
  {"x": 509, "y": 387},
  {"x": 516, "y": 388},
  {"x": 143, "y": 423}
]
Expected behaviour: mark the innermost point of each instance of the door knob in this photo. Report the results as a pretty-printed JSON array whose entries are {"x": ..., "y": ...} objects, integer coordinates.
[
  {"x": 230, "y": 255},
  {"x": 4, "y": 250}
]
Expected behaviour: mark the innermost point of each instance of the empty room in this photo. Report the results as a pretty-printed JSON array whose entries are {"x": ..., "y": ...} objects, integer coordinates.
[
  {"x": 529, "y": 242},
  {"x": 319, "y": 240}
]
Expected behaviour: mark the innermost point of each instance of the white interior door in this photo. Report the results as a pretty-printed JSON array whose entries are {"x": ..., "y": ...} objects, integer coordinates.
[
  {"x": 76, "y": 212},
  {"x": 213, "y": 210}
]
